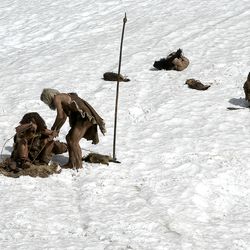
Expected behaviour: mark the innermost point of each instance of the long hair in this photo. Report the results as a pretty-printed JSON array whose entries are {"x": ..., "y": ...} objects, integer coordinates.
[
  {"x": 35, "y": 118},
  {"x": 47, "y": 97}
]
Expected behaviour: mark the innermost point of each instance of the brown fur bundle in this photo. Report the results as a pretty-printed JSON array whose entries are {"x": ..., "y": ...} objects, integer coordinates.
[
  {"x": 174, "y": 61},
  {"x": 167, "y": 63},
  {"x": 99, "y": 158},
  {"x": 111, "y": 76},
  {"x": 8, "y": 169},
  {"x": 247, "y": 88},
  {"x": 195, "y": 84}
]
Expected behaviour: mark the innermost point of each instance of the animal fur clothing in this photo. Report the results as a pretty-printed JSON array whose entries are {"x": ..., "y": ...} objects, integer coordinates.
[
  {"x": 32, "y": 141},
  {"x": 79, "y": 109}
]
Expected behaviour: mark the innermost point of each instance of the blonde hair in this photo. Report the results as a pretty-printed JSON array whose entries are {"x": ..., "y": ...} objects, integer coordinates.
[{"x": 47, "y": 96}]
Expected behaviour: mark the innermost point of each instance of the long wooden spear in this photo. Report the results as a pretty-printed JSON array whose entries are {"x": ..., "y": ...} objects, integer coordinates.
[{"x": 117, "y": 86}]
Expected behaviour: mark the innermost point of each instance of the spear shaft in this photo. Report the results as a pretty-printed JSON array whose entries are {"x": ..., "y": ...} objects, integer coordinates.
[{"x": 117, "y": 86}]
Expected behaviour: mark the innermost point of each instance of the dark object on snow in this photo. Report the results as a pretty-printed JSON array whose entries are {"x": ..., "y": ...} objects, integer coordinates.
[
  {"x": 195, "y": 84},
  {"x": 174, "y": 61},
  {"x": 246, "y": 88},
  {"x": 99, "y": 158},
  {"x": 111, "y": 76},
  {"x": 8, "y": 169}
]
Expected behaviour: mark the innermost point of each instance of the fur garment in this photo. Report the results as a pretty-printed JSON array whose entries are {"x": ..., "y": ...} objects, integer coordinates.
[{"x": 79, "y": 109}]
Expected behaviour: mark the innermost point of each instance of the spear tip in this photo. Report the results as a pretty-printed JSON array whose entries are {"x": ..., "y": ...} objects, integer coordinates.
[{"x": 125, "y": 18}]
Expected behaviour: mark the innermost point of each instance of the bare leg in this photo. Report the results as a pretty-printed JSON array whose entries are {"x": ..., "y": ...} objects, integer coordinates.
[
  {"x": 50, "y": 148},
  {"x": 22, "y": 149},
  {"x": 73, "y": 138},
  {"x": 46, "y": 153}
]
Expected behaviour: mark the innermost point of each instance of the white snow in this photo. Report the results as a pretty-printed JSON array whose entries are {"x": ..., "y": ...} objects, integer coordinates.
[{"x": 184, "y": 177}]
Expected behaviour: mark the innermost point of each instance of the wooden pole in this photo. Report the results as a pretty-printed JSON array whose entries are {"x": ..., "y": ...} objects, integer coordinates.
[{"x": 117, "y": 86}]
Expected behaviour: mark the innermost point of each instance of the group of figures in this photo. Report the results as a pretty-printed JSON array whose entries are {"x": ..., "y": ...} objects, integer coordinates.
[{"x": 34, "y": 143}]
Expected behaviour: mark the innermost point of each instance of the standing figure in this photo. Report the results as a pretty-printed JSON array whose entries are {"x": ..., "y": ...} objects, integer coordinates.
[{"x": 83, "y": 121}]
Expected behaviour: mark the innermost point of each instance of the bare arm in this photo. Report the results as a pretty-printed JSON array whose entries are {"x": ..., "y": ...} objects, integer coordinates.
[
  {"x": 51, "y": 134},
  {"x": 61, "y": 116}
]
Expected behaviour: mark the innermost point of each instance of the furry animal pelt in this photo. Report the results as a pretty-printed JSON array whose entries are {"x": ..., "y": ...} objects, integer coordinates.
[
  {"x": 8, "y": 169},
  {"x": 99, "y": 158},
  {"x": 174, "y": 61},
  {"x": 111, "y": 76},
  {"x": 246, "y": 88},
  {"x": 195, "y": 84}
]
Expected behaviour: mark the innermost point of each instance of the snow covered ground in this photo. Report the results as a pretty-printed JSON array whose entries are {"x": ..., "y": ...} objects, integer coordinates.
[{"x": 184, "y": 177}]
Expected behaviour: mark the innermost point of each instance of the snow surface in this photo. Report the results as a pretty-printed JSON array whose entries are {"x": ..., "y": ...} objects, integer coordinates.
[{"x": 184, "y": 177}]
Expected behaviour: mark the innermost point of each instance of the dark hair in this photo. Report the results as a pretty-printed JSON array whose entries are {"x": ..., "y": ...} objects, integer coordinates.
[{"x": 35, "y": 118}]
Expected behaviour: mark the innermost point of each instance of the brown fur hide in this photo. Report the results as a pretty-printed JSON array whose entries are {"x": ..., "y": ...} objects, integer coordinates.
[
  {"x": 180, "y": 63},
  {"x": 28, "y": 170},
  {"x": 174, "y": 61},
  {"x": 111, "y": 76},
  {"x": 195, "y": 84},
  {"x": 99, "y": 158},
  {"x": 80, "y": 109}
]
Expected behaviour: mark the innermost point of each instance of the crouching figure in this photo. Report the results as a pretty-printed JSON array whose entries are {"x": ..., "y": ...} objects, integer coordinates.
[{"x": 34, "y": 143}]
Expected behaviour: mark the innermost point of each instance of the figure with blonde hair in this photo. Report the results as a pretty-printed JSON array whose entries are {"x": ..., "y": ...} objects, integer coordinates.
[{"x": 83, "y": 121}]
